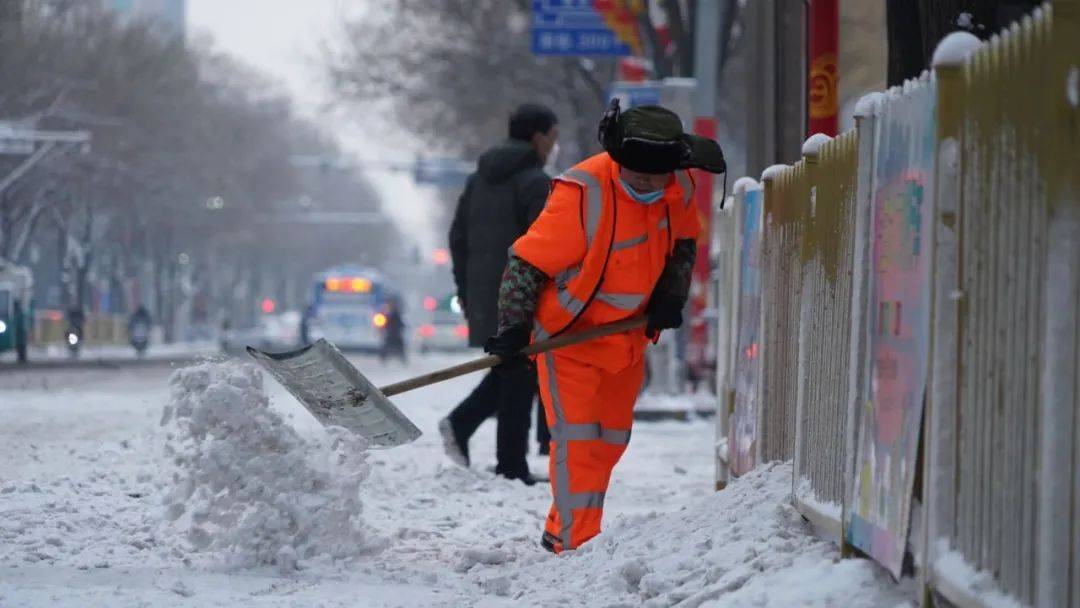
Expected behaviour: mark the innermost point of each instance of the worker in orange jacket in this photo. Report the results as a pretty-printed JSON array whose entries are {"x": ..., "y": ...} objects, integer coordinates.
[{"x": 617, "y": 238}]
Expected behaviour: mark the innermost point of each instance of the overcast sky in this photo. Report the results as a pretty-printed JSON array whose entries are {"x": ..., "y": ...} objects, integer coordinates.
[{"x": 282, "y": 38}]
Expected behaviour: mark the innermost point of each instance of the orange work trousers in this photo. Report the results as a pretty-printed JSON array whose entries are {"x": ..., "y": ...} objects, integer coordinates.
[{"x": 590, "y": 412}]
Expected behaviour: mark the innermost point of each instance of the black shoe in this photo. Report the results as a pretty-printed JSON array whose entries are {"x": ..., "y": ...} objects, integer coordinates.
[
  {"x": 525, "y": 477},
  {"x": 455, "y": 448}
]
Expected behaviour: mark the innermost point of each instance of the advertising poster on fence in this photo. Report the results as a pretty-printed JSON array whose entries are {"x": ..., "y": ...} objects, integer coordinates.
[
  {"x": 899, "y": 327},
  {"x": 743, "y": 421}
]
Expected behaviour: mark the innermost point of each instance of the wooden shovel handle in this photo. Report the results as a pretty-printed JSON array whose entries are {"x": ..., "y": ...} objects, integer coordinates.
[{"x": 535, "y": 348}]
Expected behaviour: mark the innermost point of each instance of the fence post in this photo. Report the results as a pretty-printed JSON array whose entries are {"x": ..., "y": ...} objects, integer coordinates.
[
  {"x": 727, "y": 244},
  {"x": 806, "y": 300},
  {"x": 768, "y": 191},
  {"x": 866, "y": 125},
  {"x": 1058, "y": 384},
  {"x": 939, "y": 419}
]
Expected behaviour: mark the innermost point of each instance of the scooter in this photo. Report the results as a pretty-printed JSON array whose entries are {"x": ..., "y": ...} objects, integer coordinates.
[
  {"x": 74, "y": 341},
  {"x": 140, "y": 338}
]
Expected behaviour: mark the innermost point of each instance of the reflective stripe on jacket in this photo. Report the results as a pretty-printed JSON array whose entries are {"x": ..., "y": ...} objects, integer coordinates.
[{"x": 575, "y": 240}]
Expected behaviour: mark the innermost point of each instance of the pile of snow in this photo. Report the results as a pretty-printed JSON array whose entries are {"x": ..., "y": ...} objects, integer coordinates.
[
  {"x": 247, "y": 487},
  {"x": 979, "y": 584},
  {"x": 743, "y": 546}
]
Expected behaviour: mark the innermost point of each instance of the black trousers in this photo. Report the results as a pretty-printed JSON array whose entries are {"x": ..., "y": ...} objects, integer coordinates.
[
  {"x": 509, "y": 396},
  {"x": 543, "y": 433}
]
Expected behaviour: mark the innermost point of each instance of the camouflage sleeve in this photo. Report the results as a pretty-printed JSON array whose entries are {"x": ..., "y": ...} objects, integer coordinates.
[
  {"x": 679, "y": 270},
  {"x": 519, "y": 293}
]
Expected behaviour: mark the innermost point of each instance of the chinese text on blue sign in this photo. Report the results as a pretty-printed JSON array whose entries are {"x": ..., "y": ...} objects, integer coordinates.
[{"x": 572, "y": 27}]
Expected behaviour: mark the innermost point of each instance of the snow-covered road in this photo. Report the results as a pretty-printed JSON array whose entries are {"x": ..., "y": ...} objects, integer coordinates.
[{"x": 83, "y": 472}]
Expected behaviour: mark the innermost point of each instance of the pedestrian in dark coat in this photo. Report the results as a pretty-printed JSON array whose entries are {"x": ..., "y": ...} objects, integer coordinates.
[
  {"x": 500, "y": 202},
  {"x": 393, "y": 343}
]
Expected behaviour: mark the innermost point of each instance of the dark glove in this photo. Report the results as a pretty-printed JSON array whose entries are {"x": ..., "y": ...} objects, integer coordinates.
[
  {"x": 664, "y": 311},
  {"x": 507, "y": 344}
]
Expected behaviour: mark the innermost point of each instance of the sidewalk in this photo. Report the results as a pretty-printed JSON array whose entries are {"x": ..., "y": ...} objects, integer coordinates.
[{"x": 58, "y": 355}]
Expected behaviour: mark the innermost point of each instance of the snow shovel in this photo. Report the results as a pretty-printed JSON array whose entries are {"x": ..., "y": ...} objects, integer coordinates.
[{"x": 329, "y": 387}]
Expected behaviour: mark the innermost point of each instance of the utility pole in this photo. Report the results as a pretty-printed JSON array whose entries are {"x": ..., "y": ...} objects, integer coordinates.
[
  {"x": 776, "y": 107},
  {"x": 706, "y": 66}
]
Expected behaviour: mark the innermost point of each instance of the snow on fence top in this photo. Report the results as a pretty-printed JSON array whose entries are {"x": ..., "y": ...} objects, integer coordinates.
[
  {"x": 772, "y": 172},
  {"x": 813, "y": 143},
  {"x": 954, "y": 49},
  {"x": 744, "y": 184},
  {"x": 868, "y": 104}
]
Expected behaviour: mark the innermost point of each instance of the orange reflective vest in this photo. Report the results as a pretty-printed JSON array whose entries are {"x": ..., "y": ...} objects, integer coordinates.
[{"x": 575, "y": 287}]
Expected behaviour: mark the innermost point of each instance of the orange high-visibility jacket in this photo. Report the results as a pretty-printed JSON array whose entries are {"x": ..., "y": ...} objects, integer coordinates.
[{"x": 603, "y": 250}]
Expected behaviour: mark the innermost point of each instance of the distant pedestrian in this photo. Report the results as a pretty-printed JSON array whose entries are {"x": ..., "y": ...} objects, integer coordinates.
[
  {"x": 393, "y": 344},
  {"x": 139, "y": 329},
  {"x": 500, "y": 202}
]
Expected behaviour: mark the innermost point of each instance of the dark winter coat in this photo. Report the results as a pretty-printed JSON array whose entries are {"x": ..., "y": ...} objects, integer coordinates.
[{"x": 500, "y": 202}]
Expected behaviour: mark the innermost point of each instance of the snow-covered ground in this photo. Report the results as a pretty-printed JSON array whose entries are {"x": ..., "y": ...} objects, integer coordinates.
[{"x": 85, "y": 480}]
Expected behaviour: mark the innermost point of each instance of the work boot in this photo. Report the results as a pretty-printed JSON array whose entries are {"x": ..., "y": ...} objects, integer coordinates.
[
  {"x": 548, "y": 540},
  {"x": 455, "y": 448}
]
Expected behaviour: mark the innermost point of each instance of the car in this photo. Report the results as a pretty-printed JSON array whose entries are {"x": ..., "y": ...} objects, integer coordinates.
[
  {"x": 444, "y": 327},
  {"x": 271, "y": 332}
]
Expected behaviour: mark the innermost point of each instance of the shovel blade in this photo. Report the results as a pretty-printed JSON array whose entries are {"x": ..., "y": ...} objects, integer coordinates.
[{"x": 329, "y": 387}]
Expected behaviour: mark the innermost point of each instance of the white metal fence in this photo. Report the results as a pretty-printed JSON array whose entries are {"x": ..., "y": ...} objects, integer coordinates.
[{"x": 903, "y": 305}]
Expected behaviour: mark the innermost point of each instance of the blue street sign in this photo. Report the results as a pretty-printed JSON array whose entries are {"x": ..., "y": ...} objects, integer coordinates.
[
  {"x": 572, "y": 27},
  {"x": 632, "y": 94}
]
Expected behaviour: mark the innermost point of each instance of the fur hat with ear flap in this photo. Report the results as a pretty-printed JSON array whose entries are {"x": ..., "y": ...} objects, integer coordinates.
[{"x": 650, "y": 139}]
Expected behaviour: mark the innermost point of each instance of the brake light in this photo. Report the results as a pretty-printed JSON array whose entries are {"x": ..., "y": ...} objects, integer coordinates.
[
  {"x": 348, "y": 284},
  {"x": 430, "y": 303},
  {"x": 462, "y": 331},
  {"x": 426, "y": 331},
  {"x": 379, "y": 320}
]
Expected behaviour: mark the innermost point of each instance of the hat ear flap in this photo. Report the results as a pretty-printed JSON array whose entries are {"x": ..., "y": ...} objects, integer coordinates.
[
  {"x": 704, "y": 153},
  {"x": 608, "y": 130}
]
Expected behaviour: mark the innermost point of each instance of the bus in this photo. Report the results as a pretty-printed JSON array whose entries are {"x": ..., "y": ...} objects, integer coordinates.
[
  {"x": 16, "y": 290},
  {"x": 347, "y": 304}
]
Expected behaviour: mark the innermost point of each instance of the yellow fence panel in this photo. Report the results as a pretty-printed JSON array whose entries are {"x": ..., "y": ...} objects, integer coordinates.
[
  {"x": 825, "y": 323},
  {"x": 786, "y": 212}
]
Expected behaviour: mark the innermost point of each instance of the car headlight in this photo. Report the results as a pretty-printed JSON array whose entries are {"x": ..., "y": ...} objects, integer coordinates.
[{"x": 3, "y": 327}]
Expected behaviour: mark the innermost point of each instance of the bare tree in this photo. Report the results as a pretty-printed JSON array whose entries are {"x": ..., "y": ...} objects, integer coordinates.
[{"x": 190, "y": 156}]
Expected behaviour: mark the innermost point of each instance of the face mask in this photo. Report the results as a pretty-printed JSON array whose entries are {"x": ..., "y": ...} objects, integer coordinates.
[
  {"x": 553, "y": 157},
  {"x": 645, "y": 199}
]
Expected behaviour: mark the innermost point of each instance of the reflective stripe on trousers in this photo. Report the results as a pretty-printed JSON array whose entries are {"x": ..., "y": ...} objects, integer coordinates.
[
  {"x": 560, "y": 483},
  {"x": 590, "y": 412}
]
